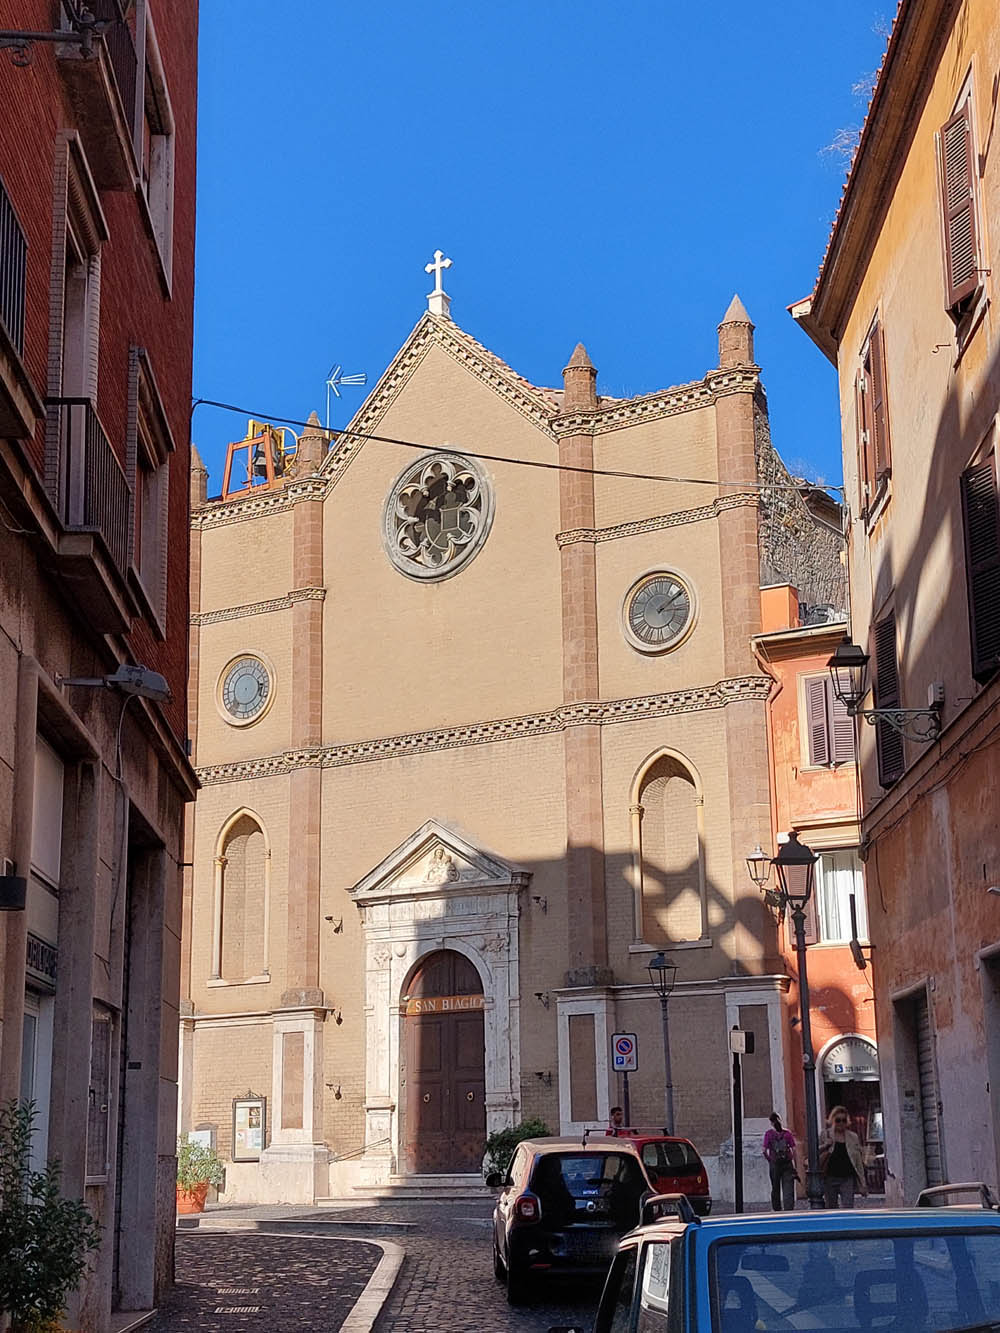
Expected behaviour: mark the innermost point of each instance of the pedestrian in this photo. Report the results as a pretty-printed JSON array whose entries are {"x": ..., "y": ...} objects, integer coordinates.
[
  {"x": 840, "y": 1161},
  {"x": 779, "y": 1149},
  {"x": 616, "y": 1120}
]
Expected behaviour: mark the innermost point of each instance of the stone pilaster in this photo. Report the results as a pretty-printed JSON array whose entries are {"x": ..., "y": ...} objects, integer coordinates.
[{"x": 586, "y": 916}]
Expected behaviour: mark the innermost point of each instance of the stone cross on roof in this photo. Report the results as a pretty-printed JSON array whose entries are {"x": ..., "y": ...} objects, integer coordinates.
[{"x": 438, "y": 301}]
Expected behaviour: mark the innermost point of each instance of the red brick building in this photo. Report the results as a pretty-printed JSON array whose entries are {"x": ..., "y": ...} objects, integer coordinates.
[{"x": 97, "y": 177}]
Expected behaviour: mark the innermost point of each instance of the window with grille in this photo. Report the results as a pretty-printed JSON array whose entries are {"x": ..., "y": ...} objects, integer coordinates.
[
  {"x": 99, "y": 1094},
  {"x": 829, "y": 726},
  {"x": 981, "y": 519},
  {"x": 959, "y": 224}
]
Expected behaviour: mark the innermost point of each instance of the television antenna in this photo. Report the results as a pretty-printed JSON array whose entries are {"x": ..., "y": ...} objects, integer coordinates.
[{"x": 335, "y": 378}]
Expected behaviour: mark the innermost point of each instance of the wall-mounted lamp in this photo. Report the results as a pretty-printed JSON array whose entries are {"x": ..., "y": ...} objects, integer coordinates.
[
  {"x": 543, "y": 997},
  {"x": 338, "y": 1017},
  {"x": 543, "y": 903},
  {"x": 128, "y": 679},
  {"x": 545, "y": 1075},
  {"x": 338, "y": 926},
  {"x": 336, "y": 1090},
  {"x": 849, "y": 674},
  {"x": 13, "y": 888}
]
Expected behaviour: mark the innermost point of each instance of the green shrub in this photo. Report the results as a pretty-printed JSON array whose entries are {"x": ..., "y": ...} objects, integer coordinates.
[
  {"x": 501, "y": 1143},
  {"x": 198, "y": 1164},
  {"x": 44, "y": 1238}
]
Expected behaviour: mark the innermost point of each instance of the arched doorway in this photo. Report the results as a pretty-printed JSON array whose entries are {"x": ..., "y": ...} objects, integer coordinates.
[
  {"x": 444, "y": 1071},
  {"x": 848, "y": 1069}
]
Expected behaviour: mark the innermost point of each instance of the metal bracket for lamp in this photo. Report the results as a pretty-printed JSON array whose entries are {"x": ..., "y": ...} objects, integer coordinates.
[
  {"x": 85, "y": 27},
  {"x": 915, "y": 724}
]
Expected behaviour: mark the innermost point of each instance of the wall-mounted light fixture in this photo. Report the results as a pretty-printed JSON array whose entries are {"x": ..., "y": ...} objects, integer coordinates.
[
  {"x": 545, "y": 1075},
  {"x": 543, "y": 903},
  {"x": 542, "y": 996},
  {"x": 849, "y": 673},
  {"x": 127, "y": 679}
]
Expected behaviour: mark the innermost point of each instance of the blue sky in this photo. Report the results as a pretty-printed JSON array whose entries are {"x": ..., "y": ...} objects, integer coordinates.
[{"x": 609, "y": 173}]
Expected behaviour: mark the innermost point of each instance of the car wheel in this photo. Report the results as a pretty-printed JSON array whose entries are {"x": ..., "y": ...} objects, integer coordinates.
[
  {"x": 518, "y": 1286},
  {"x": 499, "y": 1271}
]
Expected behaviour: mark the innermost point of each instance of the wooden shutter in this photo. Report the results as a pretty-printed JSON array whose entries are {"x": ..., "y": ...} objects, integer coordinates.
[
  {"x": 958, "y": 201},
  {"x": 879, "y": 448},
  {"x": 866, "y": 477},
  {"x": 888, "y": 741},
  {"x": 816, "y": 721},
  {"x": 982, "y": 565},
  {"x": 842, "y": 727}
]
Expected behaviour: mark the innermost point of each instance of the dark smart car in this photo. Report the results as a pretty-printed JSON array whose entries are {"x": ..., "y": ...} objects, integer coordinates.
[{"x": 563, "y": 1206}]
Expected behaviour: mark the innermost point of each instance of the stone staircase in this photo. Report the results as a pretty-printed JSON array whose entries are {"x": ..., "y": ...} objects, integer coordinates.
[{"x": 422, "y": 1189}]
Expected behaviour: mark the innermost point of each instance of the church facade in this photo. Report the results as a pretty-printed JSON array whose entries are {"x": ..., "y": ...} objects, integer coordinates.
[{"x": 488, "y": 736}]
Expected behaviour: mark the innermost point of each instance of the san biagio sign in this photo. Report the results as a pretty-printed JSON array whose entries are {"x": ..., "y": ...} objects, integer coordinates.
[{"x": 443, "y": 1004}]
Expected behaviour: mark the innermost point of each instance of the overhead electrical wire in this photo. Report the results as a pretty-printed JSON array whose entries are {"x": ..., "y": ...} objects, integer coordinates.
[{"x": 622, "y": 474}]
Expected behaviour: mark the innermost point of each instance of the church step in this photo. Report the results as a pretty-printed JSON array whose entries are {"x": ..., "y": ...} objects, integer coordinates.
[{"x": 415, "y": 1188}]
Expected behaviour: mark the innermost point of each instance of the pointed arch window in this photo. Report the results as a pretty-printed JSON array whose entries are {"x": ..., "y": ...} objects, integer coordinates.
[
  {"x": 242, "y": 903},
  {"x": 669, "y": 854}
]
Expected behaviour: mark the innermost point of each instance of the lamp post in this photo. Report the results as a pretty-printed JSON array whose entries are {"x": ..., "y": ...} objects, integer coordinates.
[
  {"x": 795, "y": 867},
  {"x": 662, "y": 975}
]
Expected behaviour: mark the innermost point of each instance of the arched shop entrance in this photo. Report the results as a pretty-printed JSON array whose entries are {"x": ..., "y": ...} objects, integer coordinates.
[
  {"x": 444, "y": 1073},
  {"x": 848, "y": 1068}
]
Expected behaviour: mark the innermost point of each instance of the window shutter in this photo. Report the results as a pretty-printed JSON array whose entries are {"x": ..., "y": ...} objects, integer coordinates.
[
  {"x": 816, "y": 721},
  {"x": 957, "y": 162},
  {"x": 982, "y": 565},
  {"x": 879, "y": 413},
  {"x": 863, "y": 433},
  {"x": 888, "y": 741},
  {"x": 842, "y": 726}
]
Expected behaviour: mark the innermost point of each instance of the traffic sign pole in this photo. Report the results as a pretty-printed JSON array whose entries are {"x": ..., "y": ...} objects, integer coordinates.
[{"x": 626, "y": 1106}]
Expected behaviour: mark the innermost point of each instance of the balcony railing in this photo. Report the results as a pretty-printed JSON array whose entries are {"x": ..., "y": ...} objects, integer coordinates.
[
  {"x": 93, "y": 492},
  {"x": 13, "y": 257},
  {"x": 121, "y": 52}
]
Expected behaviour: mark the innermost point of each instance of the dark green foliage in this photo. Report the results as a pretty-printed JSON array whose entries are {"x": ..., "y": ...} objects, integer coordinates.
[
  {"x": 44, "y": 1238},
  {"x": 501, "y": 1143}
]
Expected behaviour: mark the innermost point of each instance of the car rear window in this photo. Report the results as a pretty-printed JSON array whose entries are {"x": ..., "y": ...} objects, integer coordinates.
[
  {"x": 917, "y": 1282},
  {"x": 671, "y": 1159},
  {"x": 588, "y": 1175}
]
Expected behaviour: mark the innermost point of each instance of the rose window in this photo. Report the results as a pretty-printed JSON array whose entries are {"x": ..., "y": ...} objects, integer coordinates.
[{"x": 437, "y": 516}]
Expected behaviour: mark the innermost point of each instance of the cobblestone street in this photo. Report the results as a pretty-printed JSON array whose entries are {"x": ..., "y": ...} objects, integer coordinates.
[
  {"x": 258, "y": 1282},
  {"x": 230, "y": 1282}
]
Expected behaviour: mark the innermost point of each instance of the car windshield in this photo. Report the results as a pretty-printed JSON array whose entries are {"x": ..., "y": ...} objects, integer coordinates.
[
  {"x": 671, "y": 1159},
  {"x": 918, "y": 1282}
]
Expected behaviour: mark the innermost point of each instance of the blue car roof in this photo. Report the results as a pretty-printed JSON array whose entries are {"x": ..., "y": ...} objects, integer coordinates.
[{"x": 749, "y": 1227}]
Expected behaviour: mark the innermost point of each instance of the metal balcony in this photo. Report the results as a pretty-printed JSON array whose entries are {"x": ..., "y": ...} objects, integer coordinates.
[
  {"x": 102, "y": 90},
  {"x": 19, "y": 403},
  {"x": 93, "y": 501}
]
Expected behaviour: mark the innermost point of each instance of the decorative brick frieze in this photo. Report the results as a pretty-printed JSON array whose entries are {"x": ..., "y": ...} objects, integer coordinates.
[
  {"x": 259, "y": 608},
  {"x": 659, "y": 521},
  {"x": 655, "y": 406},
  {"x": 602, "y": 713}
]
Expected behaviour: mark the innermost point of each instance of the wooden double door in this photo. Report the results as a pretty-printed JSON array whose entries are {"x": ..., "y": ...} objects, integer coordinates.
[{"x": 444, "y": 1069}]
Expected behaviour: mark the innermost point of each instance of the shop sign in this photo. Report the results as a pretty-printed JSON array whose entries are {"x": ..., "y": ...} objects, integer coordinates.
[{"x": 849, "y": 1059}]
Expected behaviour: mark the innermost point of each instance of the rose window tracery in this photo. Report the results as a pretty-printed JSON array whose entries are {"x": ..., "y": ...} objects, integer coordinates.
[{"x": 437, "y": 516}]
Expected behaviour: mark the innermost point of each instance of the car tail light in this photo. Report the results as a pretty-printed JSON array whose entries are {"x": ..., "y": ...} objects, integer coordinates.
[{"x": 527, "y": 1208}]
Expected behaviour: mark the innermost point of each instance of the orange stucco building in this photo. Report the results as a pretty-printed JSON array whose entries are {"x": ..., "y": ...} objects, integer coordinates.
[{"x": 813, "y": 767}]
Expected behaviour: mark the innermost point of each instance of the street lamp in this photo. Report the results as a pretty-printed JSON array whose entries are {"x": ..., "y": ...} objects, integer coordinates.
[
  {"x": 795, "y": 869},
  {"x": 662, "y": 975},
  {"x": 849, "y": 675}
]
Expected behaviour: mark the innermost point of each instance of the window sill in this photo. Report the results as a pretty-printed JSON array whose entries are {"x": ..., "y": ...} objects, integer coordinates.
[
  {"x": 878, "y": 506},
  {"x": 639, "y": 946},
  {"x": 217, "y": 982}
]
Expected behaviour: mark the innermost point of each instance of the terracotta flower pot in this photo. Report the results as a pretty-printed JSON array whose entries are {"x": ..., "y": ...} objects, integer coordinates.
[{"x": 192, "y": 1200}]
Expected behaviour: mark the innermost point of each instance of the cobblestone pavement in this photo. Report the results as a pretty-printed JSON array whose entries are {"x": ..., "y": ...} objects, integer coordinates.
[
  {"x": 258, "y": 1283},
  {"x": 446, "y": 1284}
]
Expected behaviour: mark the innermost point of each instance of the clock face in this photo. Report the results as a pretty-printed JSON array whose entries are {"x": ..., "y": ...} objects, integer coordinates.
[
  {"x": 245, "y": 689},
  {"x": 658, "y": 611}
]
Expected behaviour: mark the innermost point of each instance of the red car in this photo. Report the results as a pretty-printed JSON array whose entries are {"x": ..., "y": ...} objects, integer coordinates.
[{"x": 672, "y": 1164}]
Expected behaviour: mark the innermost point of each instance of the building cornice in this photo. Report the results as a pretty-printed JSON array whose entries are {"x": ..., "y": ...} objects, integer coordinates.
[
  {"x": 597, "y": 712},
  {"x": 908, "y": 69},
  {"x": 259, "y": 608},
  {"x": 659, "y": 521}
]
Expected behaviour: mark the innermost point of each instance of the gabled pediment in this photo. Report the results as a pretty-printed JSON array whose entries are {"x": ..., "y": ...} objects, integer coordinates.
[
  {"x": 537, "y": 404},
  {"x": 436, "y": 860}
]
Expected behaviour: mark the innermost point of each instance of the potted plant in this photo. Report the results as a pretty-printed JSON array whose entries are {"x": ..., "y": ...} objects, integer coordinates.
[
  {"x": 198, "y": 1166},
  {"x": 44, "y": 1238}
]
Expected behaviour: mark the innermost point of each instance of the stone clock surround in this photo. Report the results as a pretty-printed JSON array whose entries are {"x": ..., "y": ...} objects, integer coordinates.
[{"x": 409, "y": 909}]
